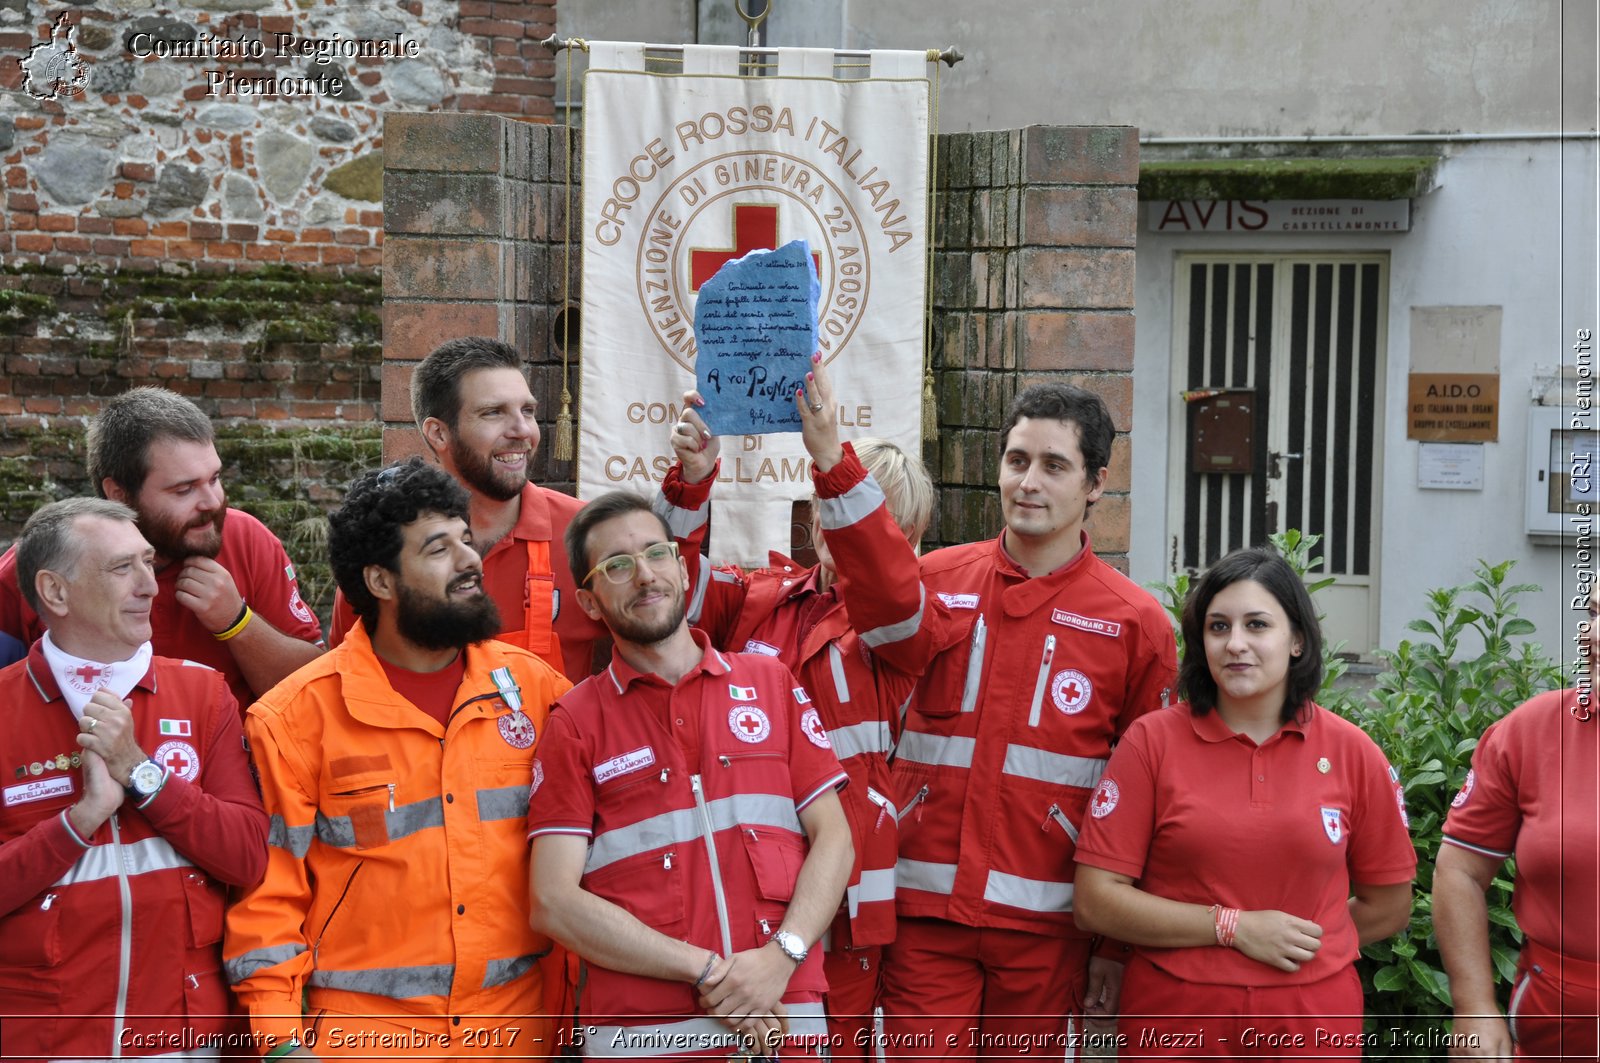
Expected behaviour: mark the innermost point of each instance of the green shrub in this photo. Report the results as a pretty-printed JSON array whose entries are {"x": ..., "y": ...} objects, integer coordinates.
[{"x": 1427, "y": 712}]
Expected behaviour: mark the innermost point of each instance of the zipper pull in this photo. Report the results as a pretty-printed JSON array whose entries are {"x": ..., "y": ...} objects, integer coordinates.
[
  {"x": 882, "y": 811},
  {"x": 920, "y": 795},
  {"x": 1049, "y": 815},
  {"x": 391, "y": 797},
  {"x": 49, "y": 899},
  {"x": 664, "y": 772},
  {"x": 766, "y": 929},
  {"x": 194, "y": 983},
  {"x": 694, "y": 783},
  {"x": 725, "y": 762},
  {"x": 753, "y": 836},
  {"x": 666, "y": 862}
]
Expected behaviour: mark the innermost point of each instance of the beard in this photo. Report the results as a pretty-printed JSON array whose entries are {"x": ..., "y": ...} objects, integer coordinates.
[
  {"x": 481, "y": 475},
  {"x": 171, "y": 540},
  {"x": 442, "y": 624},
  {"x": 646, "y": 632}
]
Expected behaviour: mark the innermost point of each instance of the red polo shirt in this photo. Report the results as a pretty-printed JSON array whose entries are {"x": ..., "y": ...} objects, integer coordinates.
[
  {"x": 1533, "y": 792},
  {"x": 1198, "y": 814}
]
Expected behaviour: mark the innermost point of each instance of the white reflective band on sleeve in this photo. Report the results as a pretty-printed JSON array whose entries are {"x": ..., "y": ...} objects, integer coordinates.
[
  {"x": 702, "y": 580},
  {"x": 874, "y": 886},
  {"x": 922, "y": 875},
  {"x": 858, "y": 738},
  {"x": 806, "y": 1022},
  {"x": 683, "y": 825},
  {"x": 920, "y": 748},
  {"x": 135, "y": 858},
  {"x": 889, "y": 633},
  {"x": 855, "y": 505},
  {"x": 1036, "y": 895},
  {"x": 1045, "y": 766},
  {"x": 681, "y": 523}
]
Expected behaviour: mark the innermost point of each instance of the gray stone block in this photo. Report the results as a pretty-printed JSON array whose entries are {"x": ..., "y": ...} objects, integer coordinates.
[
  {"x": 179, "y": 187},
  {"x": 73, "y": 171},
  {"x": 333, "y": 130},
  {"x": 284, "y": 162}
]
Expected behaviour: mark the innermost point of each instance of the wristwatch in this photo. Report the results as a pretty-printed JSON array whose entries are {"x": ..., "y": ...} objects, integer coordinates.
[
  {"x": 793, "y": 946},
  {"x": 145, "y": 780}
]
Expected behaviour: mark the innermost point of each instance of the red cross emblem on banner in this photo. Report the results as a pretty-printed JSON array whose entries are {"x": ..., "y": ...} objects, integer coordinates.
[
  {"x": 88, "y": 672},
  {"x": 755, "y": 228},
  {"x": 748, "y": 723}
]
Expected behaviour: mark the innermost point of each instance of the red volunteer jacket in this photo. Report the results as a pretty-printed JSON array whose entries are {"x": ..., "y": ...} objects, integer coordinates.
[
  {"x": 112, "y": 944},
  {"x": 857, "y": 649},
  {"x": 1010, "y": 729}
]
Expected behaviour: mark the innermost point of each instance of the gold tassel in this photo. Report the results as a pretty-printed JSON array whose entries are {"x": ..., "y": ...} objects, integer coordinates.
[
  {"x": 563, "y": 448},
  {"x": 930, "y": 415}
]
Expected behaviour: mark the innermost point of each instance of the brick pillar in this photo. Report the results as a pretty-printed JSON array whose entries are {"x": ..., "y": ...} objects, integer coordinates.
[
  {"x": 1033, "y": 281},
  {"x": 472, "y": 248}
]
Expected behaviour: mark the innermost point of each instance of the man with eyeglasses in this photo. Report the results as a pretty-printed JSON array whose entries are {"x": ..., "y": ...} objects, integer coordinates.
[
  {"x": 396, "y": 769},
  {"x": 687, "y": 838}
]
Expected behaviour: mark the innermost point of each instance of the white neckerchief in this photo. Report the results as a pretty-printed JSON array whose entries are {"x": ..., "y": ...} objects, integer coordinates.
[{"x": 79, "y": 677}]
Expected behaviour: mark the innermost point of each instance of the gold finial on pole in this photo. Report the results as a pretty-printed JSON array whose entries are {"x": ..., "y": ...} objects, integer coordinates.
[{"x": 754, "y": 21}]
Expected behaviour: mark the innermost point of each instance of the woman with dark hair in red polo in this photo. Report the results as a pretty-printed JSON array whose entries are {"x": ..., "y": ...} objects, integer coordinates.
[
  {"x": 1532, "y": 792},
  {"x": 1246, "y": 842}
]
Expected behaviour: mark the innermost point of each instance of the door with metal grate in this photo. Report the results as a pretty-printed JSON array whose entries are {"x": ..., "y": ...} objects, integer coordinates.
[{"x": 1278, "y": 369}]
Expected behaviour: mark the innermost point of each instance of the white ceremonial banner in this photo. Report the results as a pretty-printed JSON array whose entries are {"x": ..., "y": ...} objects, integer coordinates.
[{"x": 683, "y": 173}]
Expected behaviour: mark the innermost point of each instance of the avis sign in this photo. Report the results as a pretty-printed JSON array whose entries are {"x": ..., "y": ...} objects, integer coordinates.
[
  {"x": 683, "y": 174},
  {"x": 1299, "y": 216}
]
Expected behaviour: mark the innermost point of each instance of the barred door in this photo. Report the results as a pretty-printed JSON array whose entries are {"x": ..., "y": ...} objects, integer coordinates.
[{"x": 1303, "y": 337}]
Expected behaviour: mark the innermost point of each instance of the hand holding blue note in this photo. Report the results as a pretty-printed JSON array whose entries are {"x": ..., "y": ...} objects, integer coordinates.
[{"x": 755, "y": 328}]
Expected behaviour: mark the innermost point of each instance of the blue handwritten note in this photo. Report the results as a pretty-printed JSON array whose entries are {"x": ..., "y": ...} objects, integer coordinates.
[{"x": 755, "y": 328}]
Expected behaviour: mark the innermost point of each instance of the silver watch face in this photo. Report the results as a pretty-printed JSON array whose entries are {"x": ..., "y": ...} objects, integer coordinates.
[
  {"x": 792, "y": 945},
  {"x": 146, "y": 778}
]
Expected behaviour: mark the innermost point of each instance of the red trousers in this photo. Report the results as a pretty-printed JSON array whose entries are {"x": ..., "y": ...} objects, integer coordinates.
[
  {"x": 1164, "y": 1017},
  {"x": 1555, "y": 1007},
  {"x": 955, "y": 990},
  {"x": 852, "y": 997}
]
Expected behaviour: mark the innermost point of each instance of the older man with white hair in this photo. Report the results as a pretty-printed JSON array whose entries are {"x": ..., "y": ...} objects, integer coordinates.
[{"x": 128, "y": 809}]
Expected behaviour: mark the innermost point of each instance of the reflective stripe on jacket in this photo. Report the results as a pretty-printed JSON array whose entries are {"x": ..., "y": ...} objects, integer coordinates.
[
  {"x": 111, "y": 945},
  {"x": 397, "y": 876},
  {"x": 1010, "y": 729}
]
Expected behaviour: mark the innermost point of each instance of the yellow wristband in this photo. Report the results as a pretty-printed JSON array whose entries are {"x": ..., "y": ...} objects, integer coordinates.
[{"x": 238, "y": 626}]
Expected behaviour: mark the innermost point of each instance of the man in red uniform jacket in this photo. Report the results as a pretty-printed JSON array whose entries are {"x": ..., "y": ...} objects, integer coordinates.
[
  {"x": 687, "y": 839},
  {"x": 477, "y": 415},
  {"x": 857, "y": 629},
  {"x": 127, "y": 810},
  {"x": 226, "y": 594},
  {"x": 1006, "y": 739}
]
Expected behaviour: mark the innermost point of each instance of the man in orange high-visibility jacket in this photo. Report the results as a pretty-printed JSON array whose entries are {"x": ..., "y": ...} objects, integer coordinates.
[{"x": 396, "y": 773}]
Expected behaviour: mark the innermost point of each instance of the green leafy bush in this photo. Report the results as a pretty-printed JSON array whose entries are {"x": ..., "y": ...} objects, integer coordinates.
[{"x": 1427, "y": 711}]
